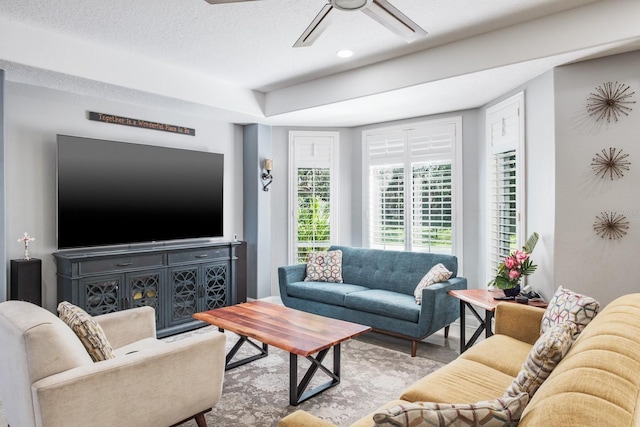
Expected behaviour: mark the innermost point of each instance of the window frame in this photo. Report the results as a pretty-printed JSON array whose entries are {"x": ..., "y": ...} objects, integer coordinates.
[
  {"x": 456, "y": 181},
  {"x": 295, "y": 164},
  {"x": 512, "y": 105}
]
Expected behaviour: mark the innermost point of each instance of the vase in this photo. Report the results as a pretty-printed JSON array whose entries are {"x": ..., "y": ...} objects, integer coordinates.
[{"x": 511, "y": 292}]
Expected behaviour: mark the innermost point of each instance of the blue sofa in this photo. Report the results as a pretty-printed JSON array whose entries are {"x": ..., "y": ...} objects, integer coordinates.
[{"x": 378, "y": 292}]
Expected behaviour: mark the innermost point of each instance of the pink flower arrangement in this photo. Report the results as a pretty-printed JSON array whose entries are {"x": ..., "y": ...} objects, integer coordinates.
[{"x": 515, "y": 266}]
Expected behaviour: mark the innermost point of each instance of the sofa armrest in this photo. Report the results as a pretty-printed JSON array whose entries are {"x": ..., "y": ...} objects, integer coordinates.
[
  {"x": 290, "y": 274},
  {"x": 519, "y": 321},
  {"x": 127, "y": 326},
  {"x": 162, "y": 385},
  {"x": 440, "y": 309},
  {"x": 301, "y": 418}
]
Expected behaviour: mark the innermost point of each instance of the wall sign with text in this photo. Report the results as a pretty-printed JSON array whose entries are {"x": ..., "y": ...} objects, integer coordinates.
[{"x": 126, "y": 121}]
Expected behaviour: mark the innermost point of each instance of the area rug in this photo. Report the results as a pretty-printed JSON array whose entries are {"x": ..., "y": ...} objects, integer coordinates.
[{"x": 257, "y": 394}]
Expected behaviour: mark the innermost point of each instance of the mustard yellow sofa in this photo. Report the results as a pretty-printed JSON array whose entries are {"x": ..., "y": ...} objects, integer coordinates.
[{"x": 597, "y": 383}]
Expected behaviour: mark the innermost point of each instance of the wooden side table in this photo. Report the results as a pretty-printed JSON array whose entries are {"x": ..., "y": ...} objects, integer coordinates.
[{"x": 483, "y": 299}]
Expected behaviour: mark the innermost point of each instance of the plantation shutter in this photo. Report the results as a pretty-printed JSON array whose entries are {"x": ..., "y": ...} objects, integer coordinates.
[
  {"x": 387, "y": 153},
  {"x": 313, "y": 192},
  {"x": 505, "y": 181},
  {"x": 432, "y": 210},
  {"x": 410, "y": 186}
]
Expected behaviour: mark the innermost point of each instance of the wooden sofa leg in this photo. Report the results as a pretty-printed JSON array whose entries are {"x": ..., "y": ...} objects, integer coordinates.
[
  {"x": 446, "y": 331},
  {"x": 199, "y": 417},
  {"x": 414, "y": 348},
  {"x": 200, "y": 420}
]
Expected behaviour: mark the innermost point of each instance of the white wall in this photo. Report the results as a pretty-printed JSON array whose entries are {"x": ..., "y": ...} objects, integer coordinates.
[
  {"x": 604, "y": 269},
  {"x": 33, "y": 118}
]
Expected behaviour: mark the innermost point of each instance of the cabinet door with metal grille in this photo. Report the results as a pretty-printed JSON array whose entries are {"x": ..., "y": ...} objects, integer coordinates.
[
  {"x": 217, "y": 286},
  {"x": 184, "y": 294},
  {"x": 101, "y": 294},
  {"x": 145, "y": 289}
]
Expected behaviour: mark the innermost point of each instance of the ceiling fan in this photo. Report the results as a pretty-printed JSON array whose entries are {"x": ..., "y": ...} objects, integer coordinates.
[{"x": 380, "y": 10}]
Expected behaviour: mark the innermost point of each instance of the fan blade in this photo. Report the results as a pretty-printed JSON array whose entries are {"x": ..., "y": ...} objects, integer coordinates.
[
  {"x": 394, "y": 20},
  {"x": 317, "y": 26},
  {"x": 226, "y": 1}
]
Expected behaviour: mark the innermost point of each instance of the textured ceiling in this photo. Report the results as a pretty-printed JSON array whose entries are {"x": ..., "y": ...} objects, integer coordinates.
[{"x": 249, "y": 45}]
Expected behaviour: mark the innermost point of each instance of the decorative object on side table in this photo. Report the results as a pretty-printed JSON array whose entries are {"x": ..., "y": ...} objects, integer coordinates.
[
  {"x": 514, "y": 267},
  {"x": 612, "y": 164},
  {"x": 26, "y": 239},
  {"x": 611, "y": 225},
  {"x": 610, "y": 101}
]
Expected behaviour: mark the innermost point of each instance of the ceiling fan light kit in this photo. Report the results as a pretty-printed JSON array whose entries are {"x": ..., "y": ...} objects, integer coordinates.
[
  {"x": 381, "y": 11},
  {"x": 349, "y": 5}
]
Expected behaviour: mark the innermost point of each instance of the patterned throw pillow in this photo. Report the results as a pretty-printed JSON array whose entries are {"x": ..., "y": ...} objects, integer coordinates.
[
  {"x": 88, "y": 330},
  {"x": 545, "y": 354},
  {"x": 505, "y": 411},
  {"x": 567, "y": 305},
  {"x": 324, "y": 267},
  {"x": 437, "y": 274}
]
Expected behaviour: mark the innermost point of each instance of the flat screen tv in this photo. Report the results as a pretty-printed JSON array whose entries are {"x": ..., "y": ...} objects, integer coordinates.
[{"x": 115, "y": 193}]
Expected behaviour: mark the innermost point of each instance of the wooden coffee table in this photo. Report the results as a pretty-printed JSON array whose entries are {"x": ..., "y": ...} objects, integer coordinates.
[
  {"x": 298, "y": 332},
  {"x": 484, "y": 299}
]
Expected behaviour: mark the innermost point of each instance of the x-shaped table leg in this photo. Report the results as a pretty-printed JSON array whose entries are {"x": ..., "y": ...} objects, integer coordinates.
[
  {"x": 263, "y": 352},
  {"x": 297, "y": 392}
]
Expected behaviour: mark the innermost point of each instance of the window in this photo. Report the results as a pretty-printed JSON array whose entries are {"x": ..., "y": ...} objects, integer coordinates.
[
  {"x": 413, "y": 187},
  {"x": 313, "y": 199},
  {"x": 505, "y": 139}
]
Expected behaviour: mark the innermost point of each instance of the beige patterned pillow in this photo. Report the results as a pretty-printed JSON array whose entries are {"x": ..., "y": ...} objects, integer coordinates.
[
  {"x": 88, "y": 331},
  {"x": 545, "y": 354},
  {"x": 505, "y": 411},
  {"x": 324, "y": 267},
  {"x": 566, "y": 305},
  {"x": 437, "y": 274}
]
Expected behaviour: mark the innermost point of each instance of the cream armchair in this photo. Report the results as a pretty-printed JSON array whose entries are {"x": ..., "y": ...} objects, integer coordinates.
[{"x": 48, "y": 379}]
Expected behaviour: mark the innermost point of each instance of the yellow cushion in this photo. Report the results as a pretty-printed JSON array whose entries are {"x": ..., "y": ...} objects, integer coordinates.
[
  {"x": 367, "y": 420},
  {"x": 480, "y": 383},
  {"x": 510, "y": 362},
  {"x": 88, "y": 331}
]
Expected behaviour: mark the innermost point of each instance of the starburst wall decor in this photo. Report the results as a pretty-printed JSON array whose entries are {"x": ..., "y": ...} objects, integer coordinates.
[
  {"x": 612, "y": 163},
  {"x": 611, "y": 100},
  {"x": 611, "y": 225}
]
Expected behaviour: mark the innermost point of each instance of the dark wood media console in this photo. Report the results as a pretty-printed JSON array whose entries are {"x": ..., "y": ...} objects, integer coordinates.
[{"x": 177, "y": 280}]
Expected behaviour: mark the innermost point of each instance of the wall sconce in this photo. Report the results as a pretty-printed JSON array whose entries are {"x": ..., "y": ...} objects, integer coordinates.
[{"x": 267, "y": 178}]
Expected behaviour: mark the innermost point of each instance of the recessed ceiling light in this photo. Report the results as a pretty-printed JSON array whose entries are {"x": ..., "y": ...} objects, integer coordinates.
[{"x": 345, "y": 53}]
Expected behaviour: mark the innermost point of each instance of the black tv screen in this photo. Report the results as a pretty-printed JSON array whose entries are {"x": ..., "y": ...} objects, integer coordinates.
[{"x": 113, "y": 193}]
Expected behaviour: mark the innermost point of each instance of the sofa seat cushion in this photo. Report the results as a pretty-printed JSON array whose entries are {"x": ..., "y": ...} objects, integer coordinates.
[
  {"x": 385, "y": 303},
  {"x": 459, "y": 381},
  {"x": 509, "y": 362},
  {"x": 326, "y": 292}
]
